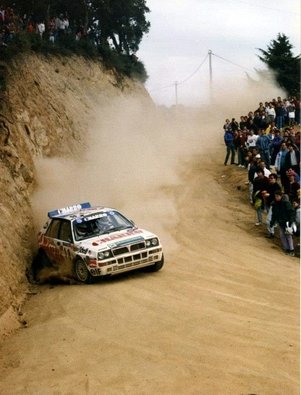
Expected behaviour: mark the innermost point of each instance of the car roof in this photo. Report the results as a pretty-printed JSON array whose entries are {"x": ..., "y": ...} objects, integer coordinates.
[{"x": 78, "y": 210}]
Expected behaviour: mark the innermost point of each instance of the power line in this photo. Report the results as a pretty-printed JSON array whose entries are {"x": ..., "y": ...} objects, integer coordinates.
[
  {"x": 192, "y": 74},
  {"x": 252, "y": 4},
  {"x": 176, "y": 84},
  {"x": 229, "y": 61},
  {"x": 183, "y": 81},
  {"x": 162, "y": 87}
]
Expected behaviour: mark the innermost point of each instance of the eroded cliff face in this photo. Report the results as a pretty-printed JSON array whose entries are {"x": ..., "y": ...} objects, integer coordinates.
[{"x": 45, "y": 112}]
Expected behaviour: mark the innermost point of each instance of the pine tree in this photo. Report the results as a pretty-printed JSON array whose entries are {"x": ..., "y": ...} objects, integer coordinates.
[{"x": 280, "y": 59}]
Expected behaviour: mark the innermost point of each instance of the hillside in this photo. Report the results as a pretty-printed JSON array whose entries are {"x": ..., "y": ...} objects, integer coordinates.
[{"x": 45, "y": 112}]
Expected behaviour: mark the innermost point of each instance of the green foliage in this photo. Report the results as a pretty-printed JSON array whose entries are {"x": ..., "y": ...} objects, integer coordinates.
[
  {"x": 127, "y": 65},
  {"x": 280, "y": 59},
  {"x": 121, "y": 22}
]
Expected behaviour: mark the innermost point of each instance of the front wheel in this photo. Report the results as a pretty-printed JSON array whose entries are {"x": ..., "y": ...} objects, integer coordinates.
[
  {"x": 81, "y": 272},
  {"x": 157, "y": 266}
]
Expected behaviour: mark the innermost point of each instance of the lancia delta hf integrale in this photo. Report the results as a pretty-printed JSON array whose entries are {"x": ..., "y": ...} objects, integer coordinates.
[{"x": 95, "y": 242}]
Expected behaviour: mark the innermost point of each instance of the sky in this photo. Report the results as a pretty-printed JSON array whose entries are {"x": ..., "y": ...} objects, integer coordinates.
[{"x": 175, "y": 52}]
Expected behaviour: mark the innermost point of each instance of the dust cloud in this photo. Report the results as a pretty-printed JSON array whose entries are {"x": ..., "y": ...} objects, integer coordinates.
[{"x": 135, "y": 152}]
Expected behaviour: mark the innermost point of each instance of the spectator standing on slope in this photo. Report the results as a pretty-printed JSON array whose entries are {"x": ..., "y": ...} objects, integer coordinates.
[
  {"x": 228, "y": 139},
  {"x": 263, "y": 145},
  {"x": 271, "y": 113},
  {"x": 41, "y": 29},
  {"x": 252, "y": 167},
  {"x": 283, "y": 214},
  {"x": 241, "y": 148},
  {"x": 251, "y": 139},
  {"x": 292, "y": 158},
  {"x": 262, "y": 166},
  {"x": 275, "y": 146},
  {"x": 280, "y": 163},
  {"x": 280, "y": 115},
  {"x": 227, "y": 125},
  {"x": 291, "y": 113},
  {"x": 260, "y": 186},
  {"x": 293, "y": 187},
  {"x": 296, "y": 205},
  {"x": 269, "y": 197},
  {"x": 234, "y": 125}
]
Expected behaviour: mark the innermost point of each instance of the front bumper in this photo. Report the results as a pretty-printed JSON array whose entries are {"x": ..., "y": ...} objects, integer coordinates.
[{"x": 127, "y": 262}]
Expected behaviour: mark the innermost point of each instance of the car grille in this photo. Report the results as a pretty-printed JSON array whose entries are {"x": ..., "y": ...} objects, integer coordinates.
[
  {"x": 124, "y": 263},
  {"x": 126, "y": 249},
  {"x": 131, "y": 255}
]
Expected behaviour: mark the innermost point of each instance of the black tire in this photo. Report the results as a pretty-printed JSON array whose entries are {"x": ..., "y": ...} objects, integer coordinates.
[
  {"x": 39, "y": 262},
  {"x": 81, "y": 272},
  {"x": 157, "y": 266}
]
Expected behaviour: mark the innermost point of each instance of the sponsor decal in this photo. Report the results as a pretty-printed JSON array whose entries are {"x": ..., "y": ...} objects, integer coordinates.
[
  {"x": 83, "y": 250},
  {"x": 68, "y": 210},
  {"x": 126, "y": 242},
  {"x": 120, "y": 235},
  {"x": 95, "y": 272}
]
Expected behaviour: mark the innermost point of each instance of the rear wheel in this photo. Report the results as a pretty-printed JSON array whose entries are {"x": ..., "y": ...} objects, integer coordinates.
[
  {"x": 39, "y": 262},
  {"x": 81, "y": 272}
]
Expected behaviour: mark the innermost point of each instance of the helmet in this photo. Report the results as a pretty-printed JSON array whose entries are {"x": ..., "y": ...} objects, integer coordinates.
[{"x": 81, "y": 228}]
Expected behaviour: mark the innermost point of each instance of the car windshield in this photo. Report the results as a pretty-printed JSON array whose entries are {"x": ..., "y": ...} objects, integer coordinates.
[{"x": 99, "y": 224}]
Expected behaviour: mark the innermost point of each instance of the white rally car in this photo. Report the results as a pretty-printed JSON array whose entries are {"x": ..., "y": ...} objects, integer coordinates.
[{"x": 94, "y": 242}]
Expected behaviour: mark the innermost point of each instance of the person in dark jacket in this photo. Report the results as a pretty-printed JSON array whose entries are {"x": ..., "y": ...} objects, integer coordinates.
[
  {"x": 263, "y": 144},
  {"x": 283, "y": 214},
  {"x": 228, "y": 139},
  {"x": 292, "y": 158},
  {"x": 275, "y": 146},
  {"x": 269, "y": 197},
  {"x": 260, "y": 185}
]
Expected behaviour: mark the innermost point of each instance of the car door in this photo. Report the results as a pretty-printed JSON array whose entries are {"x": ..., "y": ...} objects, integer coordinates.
[
  {"x": 64, "y": 243},
  {"x": 58, "y": 241}
]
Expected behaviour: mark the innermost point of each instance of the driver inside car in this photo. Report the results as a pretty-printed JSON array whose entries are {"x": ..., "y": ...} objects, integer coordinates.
[{"x": 82, "y": 229}]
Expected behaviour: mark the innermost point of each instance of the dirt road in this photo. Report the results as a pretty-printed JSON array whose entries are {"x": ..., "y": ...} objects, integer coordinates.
[{"x": 222, "y": 317}]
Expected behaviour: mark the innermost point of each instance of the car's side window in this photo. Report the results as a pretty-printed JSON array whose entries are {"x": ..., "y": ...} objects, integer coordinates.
[
  {"x": 53, "y": 229},
  {"x": 65, "y": 231}
]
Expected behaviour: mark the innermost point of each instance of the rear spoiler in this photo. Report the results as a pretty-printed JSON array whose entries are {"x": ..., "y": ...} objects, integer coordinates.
[{"x": 61, "y": 212}]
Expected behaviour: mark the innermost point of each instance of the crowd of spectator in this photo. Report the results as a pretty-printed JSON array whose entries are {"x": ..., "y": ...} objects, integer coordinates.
[
  {"x": 53, "y": 29},
  {"x": 266, "y": 143}
]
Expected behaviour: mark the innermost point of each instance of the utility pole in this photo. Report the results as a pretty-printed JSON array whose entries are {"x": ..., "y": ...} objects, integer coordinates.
[
  {"x": 210, "y": 73},
  {"x": 176, "y": 91}
]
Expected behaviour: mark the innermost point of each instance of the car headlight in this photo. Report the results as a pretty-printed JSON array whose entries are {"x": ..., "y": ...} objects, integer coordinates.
[
  {"x": 104, "y": 255},
  {"x": 151, "y": 242}
]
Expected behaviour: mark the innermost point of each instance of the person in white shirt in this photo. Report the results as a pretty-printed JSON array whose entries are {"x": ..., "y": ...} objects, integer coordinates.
[
  {"x": 271, "y": 113},
  {"x": 41, "y": 29},
  {"x": 251, "y": 139},
  {"x": 262, "y": 166}
]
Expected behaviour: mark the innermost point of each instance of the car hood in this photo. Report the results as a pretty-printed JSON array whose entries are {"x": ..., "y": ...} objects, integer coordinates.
[{"x": 115, "y": 239}]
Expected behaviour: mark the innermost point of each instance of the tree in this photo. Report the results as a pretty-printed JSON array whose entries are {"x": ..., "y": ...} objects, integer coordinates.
[
  {"x": 280, "y": 59},
  {"x": 120, "y": 22},
  {"x": 117, "y": 23}
]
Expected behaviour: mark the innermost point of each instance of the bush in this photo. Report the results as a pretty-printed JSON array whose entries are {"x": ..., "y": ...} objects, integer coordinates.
[{"x": 127, "y": 65}]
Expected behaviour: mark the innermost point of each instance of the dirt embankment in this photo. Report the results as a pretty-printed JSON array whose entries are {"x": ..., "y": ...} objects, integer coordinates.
[{"x": 48, "y": 106}]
